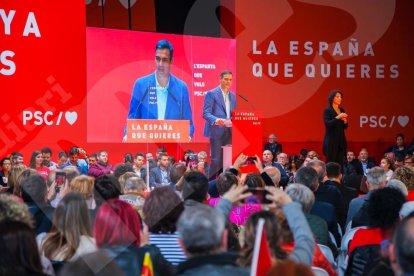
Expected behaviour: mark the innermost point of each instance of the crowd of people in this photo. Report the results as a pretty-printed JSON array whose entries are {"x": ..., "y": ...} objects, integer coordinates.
[{"x": 82, "y": 215}]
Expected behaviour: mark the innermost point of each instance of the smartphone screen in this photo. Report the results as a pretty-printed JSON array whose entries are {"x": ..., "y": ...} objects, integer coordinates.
[
  {"x": 258, "y": 196},
  {"x": 60, "y": 178}
]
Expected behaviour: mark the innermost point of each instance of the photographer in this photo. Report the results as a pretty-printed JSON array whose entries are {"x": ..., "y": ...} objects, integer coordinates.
[{"x": 202, "y": 164}]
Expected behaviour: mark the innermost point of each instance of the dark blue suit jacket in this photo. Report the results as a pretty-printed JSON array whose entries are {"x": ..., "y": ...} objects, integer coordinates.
[
  {"x": 214, "y": 108},
  {"x": 144, "y": 100},
  {"x": 155, "y": 178}
]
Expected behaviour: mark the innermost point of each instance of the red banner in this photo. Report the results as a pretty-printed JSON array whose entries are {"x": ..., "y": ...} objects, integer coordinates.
[{"x": 158, "y": 131}]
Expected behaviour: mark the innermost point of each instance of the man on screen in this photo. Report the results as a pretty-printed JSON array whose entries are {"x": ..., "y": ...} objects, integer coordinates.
[
  {"x": 161, "y": 95},
  {"x": 218, "y": 105}
]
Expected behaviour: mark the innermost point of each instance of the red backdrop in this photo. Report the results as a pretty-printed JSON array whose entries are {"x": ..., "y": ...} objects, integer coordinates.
[{"x": 43, "y": 71}]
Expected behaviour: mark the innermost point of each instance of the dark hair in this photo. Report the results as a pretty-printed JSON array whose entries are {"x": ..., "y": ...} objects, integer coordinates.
[
  {"x": 128, "y": 158},
  {"x": 74, "y": 151},
  {"x": 303, "y": 152},
  {"x": 94, "y": 155},
  {"x": 404, "y": 244},
  {"x": 162, "y": 209},
  {"x": 62, "y": 154},
  {"x": 177, "y": 171},
  {"x": 34, "y": 189},
  {"x": 296, "y": 160},
  {"x": 390, "y": 163},
  {"x": 254, "y": 180},
  {"x": 195, "y": 186},
  {"x": 165, "y": 44},
  {"x": 4, "y": 159},
  {"x": 32, "y": 163},
  {"x": 46, "y": 150},
  {"x": 233, "y": 170},
  {"x": 161, "y": 155},
  {"x": 225, "y": 72},
  {"x": 106, "y": 187},
  {"x": 225, "y": 181},
  {"x": 139, "y": 154},
  {"x": 18, "y": 249},
  {"x": 333, "y": 169},
  {"x": 383, "y": 207},
  {"x": 120, "y": 169},
  {"x": 400, "y": 135},
  {"x": 307, "y": 176},
  {"x": 332, "y": 95},
  {"x": 15, "y": 155}
]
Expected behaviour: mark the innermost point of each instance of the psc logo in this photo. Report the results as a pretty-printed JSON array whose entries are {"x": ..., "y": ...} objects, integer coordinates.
[
  {"x": 383, "y": 121},
  {"x": 39, "y": 118}
]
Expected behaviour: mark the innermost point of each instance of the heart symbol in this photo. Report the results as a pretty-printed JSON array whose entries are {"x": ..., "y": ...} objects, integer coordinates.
[
  {"x": 71, "y": 117},
  {"x": 125, "y": 3},
  {"x": 403, "y": 120}
]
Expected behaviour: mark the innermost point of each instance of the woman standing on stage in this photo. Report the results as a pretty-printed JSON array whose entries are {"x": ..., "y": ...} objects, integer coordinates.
[{"x": 336, "y": 121}]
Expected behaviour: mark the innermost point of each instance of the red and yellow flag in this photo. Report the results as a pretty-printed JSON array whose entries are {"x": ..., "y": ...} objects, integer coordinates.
[{"x": 147, "y": 268}]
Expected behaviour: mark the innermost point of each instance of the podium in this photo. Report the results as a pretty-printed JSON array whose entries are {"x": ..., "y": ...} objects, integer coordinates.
[
  {"x": 157, "y": 131},
  {"x": 247, "y": 135}
]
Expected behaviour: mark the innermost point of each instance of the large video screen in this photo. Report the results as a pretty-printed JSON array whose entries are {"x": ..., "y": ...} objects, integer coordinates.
[{"x": 116, "y": 59}]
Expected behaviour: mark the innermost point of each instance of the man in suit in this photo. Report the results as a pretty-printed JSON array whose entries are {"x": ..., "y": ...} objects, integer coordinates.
[
  {"x": 365, "y": 162},
  {"x": 160, "y": 175},
  {"x": 218, "y": 106},
  {"x": 161, "y": 95}
]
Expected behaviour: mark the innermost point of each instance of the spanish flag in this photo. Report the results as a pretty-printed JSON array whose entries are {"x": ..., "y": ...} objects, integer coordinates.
[
  {"x": 147, "y": 269},
  {"x": 262, "y": 259}
]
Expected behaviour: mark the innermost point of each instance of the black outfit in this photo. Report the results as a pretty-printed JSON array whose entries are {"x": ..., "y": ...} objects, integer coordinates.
[
  {"x": 275, "y": 148},
  {"x": 130, "y": 259},
  {"x": 334, "y": 142},
  {"x": 42, "y": 215},
  {"x": 348, "y": 194},
  {"x": 209, "y": 265},
  {"x": 360, "y": 168},
  {"x": 328, "y": 192}
]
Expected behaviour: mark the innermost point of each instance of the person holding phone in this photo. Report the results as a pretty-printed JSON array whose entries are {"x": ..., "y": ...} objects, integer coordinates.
[{"x": 251, "y": 204}]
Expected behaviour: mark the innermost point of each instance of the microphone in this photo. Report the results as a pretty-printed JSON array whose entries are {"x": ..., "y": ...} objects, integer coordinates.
[
  {"x": 246, "y": 100},
  {"x": 178, "y": 103},
  {"x": 142, "y": 98}
]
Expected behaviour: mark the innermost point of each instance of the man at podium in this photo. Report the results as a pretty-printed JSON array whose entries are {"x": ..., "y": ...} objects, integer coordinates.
[
  {"x": 161, "y": 95},
  {"x": 218, "y": 106}
]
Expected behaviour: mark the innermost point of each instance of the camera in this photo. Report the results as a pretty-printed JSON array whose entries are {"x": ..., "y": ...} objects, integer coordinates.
[
  {"x": 191, "y": 159},
  {"x": 250, "y": 160}
]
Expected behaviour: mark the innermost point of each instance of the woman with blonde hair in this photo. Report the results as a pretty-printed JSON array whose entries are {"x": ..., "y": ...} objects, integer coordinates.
[
  {"x": 15, "y": 171},
  {"x": 84, "y": 185}
]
